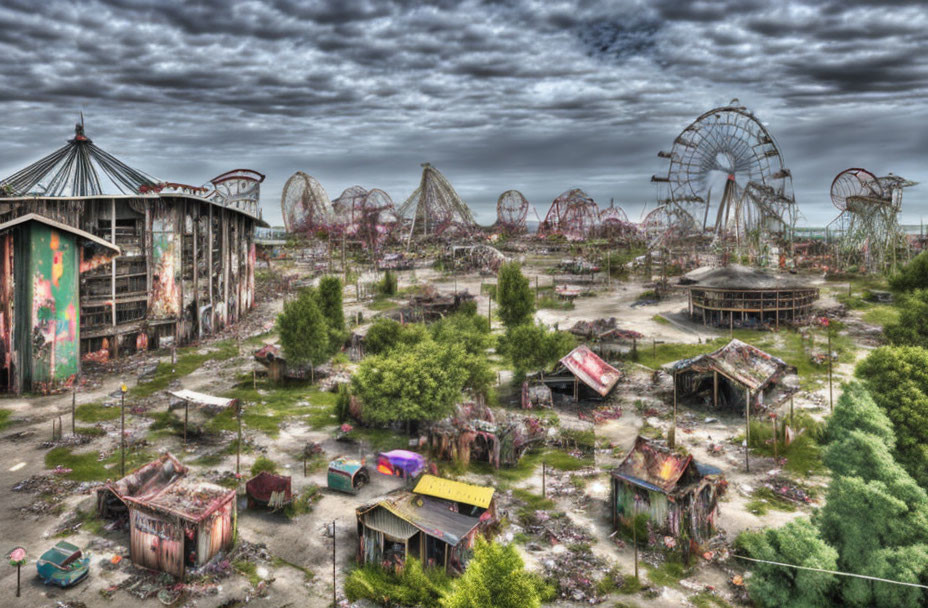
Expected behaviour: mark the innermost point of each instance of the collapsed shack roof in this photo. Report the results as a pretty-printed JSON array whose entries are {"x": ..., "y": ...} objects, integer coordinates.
[
  {"x": 738, "y": 361},
  {"x": 187, "y": 499},
  {"x": 265, "y": 486},
  {"x": 144, "y": 483},
  {"x": 455, "y": 491},
  {"x": 590, "y": 369},
  {"x": 735, "y": 277},
  {"x": 402, "y": 514},
  {"x": 657, "y": 468},
  {"x": 604, "y": 330},
  {"x": 505, "y": 436}
]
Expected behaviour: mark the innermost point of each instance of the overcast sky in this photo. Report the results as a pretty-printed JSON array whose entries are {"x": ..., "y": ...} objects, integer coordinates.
[{"x": 536, "y": 95}]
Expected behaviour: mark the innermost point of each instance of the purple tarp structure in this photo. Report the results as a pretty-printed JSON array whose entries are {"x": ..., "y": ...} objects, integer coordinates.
[{"x": 401, "y": 463}]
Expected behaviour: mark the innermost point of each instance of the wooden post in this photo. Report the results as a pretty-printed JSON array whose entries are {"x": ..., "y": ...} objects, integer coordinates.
[
  {"x": 831, "y": 402},
  {"x": 304, "y": 463},
  {"x": 790, "y": 410},
  {"x": 774, "y": 418},
  {"x": 715, "y": 389},
  {"x": 73, "y": 410},
  {"x": 18, "y": 567},
  {"x": 334, "y": 597},
  {"x": 489, "y": 312},
  {"x": 254, "y": 379},
  {"x": 122, "y": 433},
  {"x": 576, "y": 389},
  {"x": 186, "y": 408},
  {"x": 747, "y": 427},
  {"x": 635, "y": 534},
  {"x": 544, "y": 491},
  {"x": 238, "y": 447},
  {"x": 673, "y": 425},
  {"x": 536, "y": 287},
  {"x": 60, "y": 428}
]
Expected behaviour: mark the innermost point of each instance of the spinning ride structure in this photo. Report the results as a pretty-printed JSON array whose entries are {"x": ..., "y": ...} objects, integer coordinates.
[
  {"x": 305, "y": 205},
  {"x": 868, "y": 225},
  {"x": 511, "y": 212},
  {"x": 365, "y": 215},
  {"x": 727, "y": 181},
  {"x": 574, "y": 215}
]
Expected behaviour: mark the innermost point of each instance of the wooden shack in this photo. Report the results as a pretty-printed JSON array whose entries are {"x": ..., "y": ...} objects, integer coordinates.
[
  {"x": 678, "y": 496},
  {"x": 436, "y": 524},
  {"x": 181, "y": 527}
]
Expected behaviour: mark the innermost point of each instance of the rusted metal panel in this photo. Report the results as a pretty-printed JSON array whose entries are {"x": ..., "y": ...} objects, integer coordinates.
[
  {"x": 652, "y": 467},
  {"x": 590, "y": 369}
]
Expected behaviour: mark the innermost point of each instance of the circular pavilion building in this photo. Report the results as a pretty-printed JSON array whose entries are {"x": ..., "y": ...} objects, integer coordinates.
[{"x": 737, "y": 296}]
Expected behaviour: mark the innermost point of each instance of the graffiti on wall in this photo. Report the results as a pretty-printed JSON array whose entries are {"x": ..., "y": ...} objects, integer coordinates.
[
  {"x": 164, "y": 299},
  {"x": 55, "y": 316}
]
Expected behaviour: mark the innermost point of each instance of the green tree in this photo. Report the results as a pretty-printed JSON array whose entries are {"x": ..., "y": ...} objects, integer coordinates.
[
  {"x": 911, "y": 329},
  {"x": 514, "y": 296},
  {"x": 470, "y": 331},
  {"x": 330, "y": 301},
  {"x": 495, "y": 578},
  {"x": 386, "y": 334},
  {"x": 875, "y": 515},
  {"x": 795, "y": 543},
  {"x": 418, "y": 383},
  {"x": 913, "y": 275},
  {"x": 533, "y": 347},
  {"x": 304, "y": 335},
  {"x": 897, "y": 379}
]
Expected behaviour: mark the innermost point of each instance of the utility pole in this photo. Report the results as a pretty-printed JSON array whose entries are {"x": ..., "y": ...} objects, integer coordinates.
[
  {"x": 747, "y": 427},
  {"x": 831, "y": 401},
  {"x": 544, "y": 467},
  {"x": 122, "y": 430},
  {"x": 73, "y": 409},
  {"x": 334, "y": 588}
]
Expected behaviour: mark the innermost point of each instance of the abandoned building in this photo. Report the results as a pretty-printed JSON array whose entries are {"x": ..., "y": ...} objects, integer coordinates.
[
  {"x": 175, "y": 523},
  {"x": 475, "y": 432},
  {"x": 181, "y": 527},
  {"x": 678, "y": 495},
  {"x": 187, "y": 254},
  {"x": 726, "y": 377},
  {"x": 583, "y": 375},
  {"x": 39, "y": 300},
  {"x": 736, "y": 296},
  {"x": 436, "y": 523}
]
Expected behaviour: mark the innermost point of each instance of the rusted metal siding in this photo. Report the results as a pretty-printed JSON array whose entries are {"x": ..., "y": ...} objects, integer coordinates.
[
  {"x": 156, "y": 543},
  {"x": 215, "y": 533}
]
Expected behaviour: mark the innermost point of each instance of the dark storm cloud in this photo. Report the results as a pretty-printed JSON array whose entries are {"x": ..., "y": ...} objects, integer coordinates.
[{"x": 539, "y": 95}]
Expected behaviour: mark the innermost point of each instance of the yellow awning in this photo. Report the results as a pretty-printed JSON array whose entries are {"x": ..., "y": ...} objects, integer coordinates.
[{"x": 457, "y": 491}]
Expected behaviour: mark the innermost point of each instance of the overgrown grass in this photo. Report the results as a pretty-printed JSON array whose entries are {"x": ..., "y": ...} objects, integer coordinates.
[
  {"x": 881, "y": 314},
  {"x": 531, "y": 503},
  {"x": 268, "y": 405},
  {"x": 308, "y": 575},
  {"x": 415, "y": 586},
  {"x": 263, "y": 464},
  {"x": 189, "y": 359},
  {"x": 764, "y": 499},
  {"x": 803, "y": 456},
  {"x": 706, "y": 599},
  {"x": 668, "y": 574},
  {"x": 5, "y": 420},
  {"x": 661, "y": 319},
  {"x": 87, "y": 467},
  {"x": 249, "y": 570},
  {"x": 96, "y": 412},
  {"x": 89, "y": 521},
  {"x": 382, "y": 303},
  {"x": 551, "y": 303},
  {"x": 303, "y": 502}
]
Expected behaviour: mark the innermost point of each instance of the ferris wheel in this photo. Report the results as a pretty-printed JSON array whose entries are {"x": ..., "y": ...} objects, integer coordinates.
[{"x": 727, "y": 174}]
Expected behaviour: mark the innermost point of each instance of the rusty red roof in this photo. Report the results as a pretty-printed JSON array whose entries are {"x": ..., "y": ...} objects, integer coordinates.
[
  {"x": 590, "y": 369},
  {"x": 148, "y": 480},
  {"x": 653, "y": 466}
]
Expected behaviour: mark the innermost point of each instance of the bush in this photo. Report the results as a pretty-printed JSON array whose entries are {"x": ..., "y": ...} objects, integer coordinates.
[
  {"x": 514, "y": 296},
  {"x": 913, "y": 275},
  {"x": 262, "y": 464},
  {"x": 387, "y": 286},
  {"x": 415, "y": 586}
]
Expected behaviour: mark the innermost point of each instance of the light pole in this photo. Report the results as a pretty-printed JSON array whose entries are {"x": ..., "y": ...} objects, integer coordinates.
[{"x": 122, "y": 430}]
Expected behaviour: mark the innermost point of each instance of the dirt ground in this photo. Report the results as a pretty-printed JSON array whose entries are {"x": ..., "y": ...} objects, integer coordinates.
[{"x": 305, "y": 541}]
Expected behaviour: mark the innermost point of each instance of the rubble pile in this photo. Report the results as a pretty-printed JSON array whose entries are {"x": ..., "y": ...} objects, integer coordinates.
[
  {"x": 785, "y": 487},
  {"x": 574, "y": 574},
  {"x": 556, "y": 528},
  {"x": 50, "y": 491},
  {"x": 601, "y": 414}
]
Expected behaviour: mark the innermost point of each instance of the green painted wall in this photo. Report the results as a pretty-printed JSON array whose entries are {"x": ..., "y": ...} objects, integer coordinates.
[{"x": 48, "y": 307}]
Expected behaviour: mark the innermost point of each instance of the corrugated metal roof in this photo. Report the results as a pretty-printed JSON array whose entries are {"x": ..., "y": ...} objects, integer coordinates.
[
  {"x": 591, "y": 370},
  {"x": 383, "y": 520},
  {"x": 653, "y": 467},
  {"x": 434, "y": 517},
  {"x": 457, "y": 491},
  {"x": 739, "y": 361}
]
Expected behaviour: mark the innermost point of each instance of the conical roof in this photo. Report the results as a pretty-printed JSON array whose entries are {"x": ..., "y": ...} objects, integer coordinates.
[{"x": 79, "y": 168}]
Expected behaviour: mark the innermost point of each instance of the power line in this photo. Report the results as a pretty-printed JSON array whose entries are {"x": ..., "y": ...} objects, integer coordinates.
[{"x": 869, "y": 578}]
